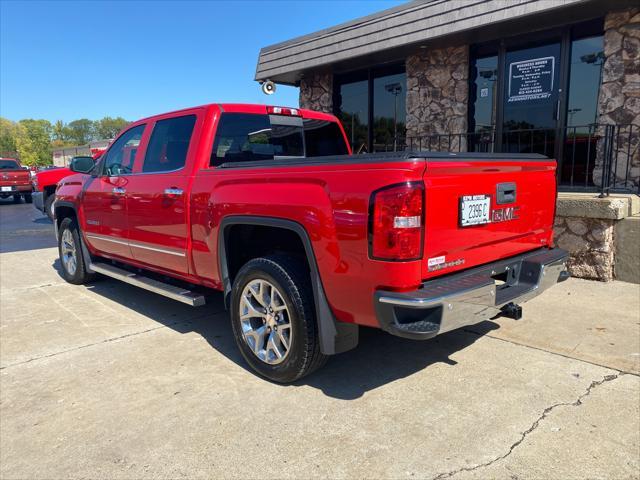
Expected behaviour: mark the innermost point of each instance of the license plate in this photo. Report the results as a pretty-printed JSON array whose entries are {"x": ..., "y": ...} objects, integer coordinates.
[
  {"x": 474, "y": 210},
  {"x": 6, "y": 189}
]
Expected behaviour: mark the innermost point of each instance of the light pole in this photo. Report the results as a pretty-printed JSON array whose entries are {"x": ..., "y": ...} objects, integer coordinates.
[
  {"x": 394, "y": 89},
  {"x": 597, "y": 60}
]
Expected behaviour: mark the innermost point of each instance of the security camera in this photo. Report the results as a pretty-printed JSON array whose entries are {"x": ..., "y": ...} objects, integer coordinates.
[{"x": 268, "y": 87}]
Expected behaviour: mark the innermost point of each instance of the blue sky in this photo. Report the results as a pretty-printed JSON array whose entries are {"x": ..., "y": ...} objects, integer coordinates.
[{"x": 68, "y": 60}]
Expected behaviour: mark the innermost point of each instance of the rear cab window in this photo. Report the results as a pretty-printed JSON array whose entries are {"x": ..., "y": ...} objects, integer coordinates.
[
  {"x": 248, "y": 137},
  {"x": 9, "y": 165}
]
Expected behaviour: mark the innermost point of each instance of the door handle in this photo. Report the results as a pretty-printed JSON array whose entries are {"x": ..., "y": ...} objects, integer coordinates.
[
  {"x": 118, "y": 191},
  {"x": 173, "y": 192}
]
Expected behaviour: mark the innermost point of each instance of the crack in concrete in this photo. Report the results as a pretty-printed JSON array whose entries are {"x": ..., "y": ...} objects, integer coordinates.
[
  {"x": 534, "y": 426},
  {"x": 108, "y": 340}
]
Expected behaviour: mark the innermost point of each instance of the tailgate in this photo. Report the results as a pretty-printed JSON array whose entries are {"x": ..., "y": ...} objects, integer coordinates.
[
  {"x": 14, "y": 177},
  {"x": 479, "y": 211}
]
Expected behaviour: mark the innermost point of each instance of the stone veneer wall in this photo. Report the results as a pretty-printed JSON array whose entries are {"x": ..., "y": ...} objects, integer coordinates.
[
  {"x": 619, "y": 99},
  {"x": 590, "y": 243},
  {"x": 437, "y": 92},
  {"x": 587, "y": 227},
  {"x": 316, "y": 91}
]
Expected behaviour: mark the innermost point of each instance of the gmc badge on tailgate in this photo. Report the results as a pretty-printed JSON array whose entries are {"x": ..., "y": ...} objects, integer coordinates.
[{"x": 504, "y": 214}]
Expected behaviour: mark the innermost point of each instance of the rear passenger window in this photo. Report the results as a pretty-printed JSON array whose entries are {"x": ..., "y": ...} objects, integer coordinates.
[
  {"x": 119, "y": 159},
  {"x": 167, "y": 150}
]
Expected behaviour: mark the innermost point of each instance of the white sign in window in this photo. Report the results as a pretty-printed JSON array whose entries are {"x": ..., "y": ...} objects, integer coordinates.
[{"x": 531, "y": 79}]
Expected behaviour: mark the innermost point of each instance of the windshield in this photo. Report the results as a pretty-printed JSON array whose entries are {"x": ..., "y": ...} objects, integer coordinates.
[
  {"x": 243, "y": 137},
  {"x": 9, "y": 165}
]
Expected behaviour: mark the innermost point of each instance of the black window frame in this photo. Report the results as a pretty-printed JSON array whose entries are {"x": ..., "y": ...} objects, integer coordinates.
[{"x": 565, "y": 35}]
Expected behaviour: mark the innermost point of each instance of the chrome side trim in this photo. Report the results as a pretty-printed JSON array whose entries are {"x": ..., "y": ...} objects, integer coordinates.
[
  {"x": 135, "y": 244},
  {"x": 106, "y": 239},
  {"x": 170, "y": 291},
  {"x": 155, "y": 249}
]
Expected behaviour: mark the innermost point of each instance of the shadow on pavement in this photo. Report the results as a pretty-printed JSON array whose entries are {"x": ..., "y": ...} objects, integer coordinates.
[
  {"x": 23, "y": 228},
  {"x": 379, "y": 359}
]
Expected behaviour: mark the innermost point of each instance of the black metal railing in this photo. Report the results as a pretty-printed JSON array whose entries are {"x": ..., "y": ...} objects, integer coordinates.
[{"x": 592, "y": 158}]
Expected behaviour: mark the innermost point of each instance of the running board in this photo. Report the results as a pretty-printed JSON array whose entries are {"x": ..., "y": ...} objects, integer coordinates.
[{"x": 176, "y": 293}]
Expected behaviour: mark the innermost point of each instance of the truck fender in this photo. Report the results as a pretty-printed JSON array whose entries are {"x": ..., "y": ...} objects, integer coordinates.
[
  {"x": 86, "y": 256},
  {"x": 335, "y": 337}
]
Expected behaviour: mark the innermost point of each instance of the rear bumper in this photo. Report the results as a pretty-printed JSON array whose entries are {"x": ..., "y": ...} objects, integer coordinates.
[
  {"x": 38, "y": 201},
  {"x": 469, "y": 297}
]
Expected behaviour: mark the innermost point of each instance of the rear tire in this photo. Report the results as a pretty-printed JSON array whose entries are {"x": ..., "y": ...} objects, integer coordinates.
[
  {"x": 48, "y": 206},
  {"x": 17, "y": 198},
  {"x": 70, "y": 251},
  {"x": 273, "y": 318},
  {"x": 28, "y": 198}
]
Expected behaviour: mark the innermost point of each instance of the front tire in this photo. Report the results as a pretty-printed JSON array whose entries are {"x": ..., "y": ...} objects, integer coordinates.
[
  {"x": 273, "y": 318},
  {"x": 70, "y": 251},
  {"x": 48, "y": 206}
]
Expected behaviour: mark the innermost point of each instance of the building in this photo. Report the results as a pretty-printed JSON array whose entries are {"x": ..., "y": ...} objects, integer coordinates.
[
  {"x": 557, "y": 77},
  {"x": 62, "y": 156}
]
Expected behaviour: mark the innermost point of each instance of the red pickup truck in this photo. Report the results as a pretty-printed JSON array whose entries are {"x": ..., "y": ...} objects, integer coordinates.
[
  {"x": 44, "y": 186},
  {"x": 15, "y": 181},
  {"x": 307, "y": 241}
]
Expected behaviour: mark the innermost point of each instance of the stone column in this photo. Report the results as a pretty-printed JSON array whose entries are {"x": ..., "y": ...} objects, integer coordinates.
[
  {"x": 316, "y": 91},
  {"x": 437, "y": 94},
  {"x": 619, "y": 99}
]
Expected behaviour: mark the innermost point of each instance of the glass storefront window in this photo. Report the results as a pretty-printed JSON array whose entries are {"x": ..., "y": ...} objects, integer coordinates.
[
  {"x": 484, "y": 73},
  {"x": 371, "y": 104},
  {"x": 389, "y": 112},
  {"x": 585, "y": 74},
  {"x": 353, "y": 112},
  {"x": 580, "y": 142}
]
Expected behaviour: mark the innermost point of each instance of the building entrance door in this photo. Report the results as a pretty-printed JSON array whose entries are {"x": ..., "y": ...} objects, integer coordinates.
[{"x": 531, "y": 99}]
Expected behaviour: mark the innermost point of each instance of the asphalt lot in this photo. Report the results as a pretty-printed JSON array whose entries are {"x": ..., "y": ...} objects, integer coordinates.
[{"x": 108, "y": 381}]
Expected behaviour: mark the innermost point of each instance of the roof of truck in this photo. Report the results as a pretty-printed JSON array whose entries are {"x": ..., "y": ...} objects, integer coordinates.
[{"x": 248, "y": 108}]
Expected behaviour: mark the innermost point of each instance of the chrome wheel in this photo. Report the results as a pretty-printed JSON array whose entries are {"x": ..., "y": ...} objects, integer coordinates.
[
  {"x": 265, "y": 322},
  {"x": 68, "y": 252}
]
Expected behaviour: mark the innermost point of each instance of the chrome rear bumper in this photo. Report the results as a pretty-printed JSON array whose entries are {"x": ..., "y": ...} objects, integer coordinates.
[{"x": 469, "y": 297}]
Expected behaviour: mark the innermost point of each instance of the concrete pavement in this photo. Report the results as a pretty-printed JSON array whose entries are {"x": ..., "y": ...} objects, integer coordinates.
[{"x": 108, "y": 381}]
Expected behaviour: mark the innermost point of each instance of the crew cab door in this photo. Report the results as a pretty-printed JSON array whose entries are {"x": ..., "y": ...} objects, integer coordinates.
[
  {"x": 157, "y": 194},
  {"x": 104, "y": 202}
]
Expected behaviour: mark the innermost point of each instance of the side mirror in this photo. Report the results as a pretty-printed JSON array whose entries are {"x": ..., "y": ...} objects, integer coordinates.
[{"x": 82, "y": 164}]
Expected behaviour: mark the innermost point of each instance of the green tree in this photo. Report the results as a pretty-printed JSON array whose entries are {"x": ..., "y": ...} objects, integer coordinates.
[
  {"x": 7, "y": 137},
  {"x": 33, "y": 142},
  {"x": 109, "y": 127},
  {"x": 60, "y": 132},
  {"x": 80, "y": 131}
]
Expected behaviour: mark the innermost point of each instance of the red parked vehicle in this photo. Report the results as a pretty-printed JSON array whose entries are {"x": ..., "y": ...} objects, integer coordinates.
[
  {"x": 45, "y": 182},
  {"x": 15, "y": 180},
  {"x": 306, "y": 241},
  {"x": 44, "y": 188}
]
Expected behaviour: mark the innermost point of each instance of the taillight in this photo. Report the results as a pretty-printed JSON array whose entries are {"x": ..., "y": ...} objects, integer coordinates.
[
  {"x": 291, "y": 112},
  {"x": 396, "y": 229}
]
